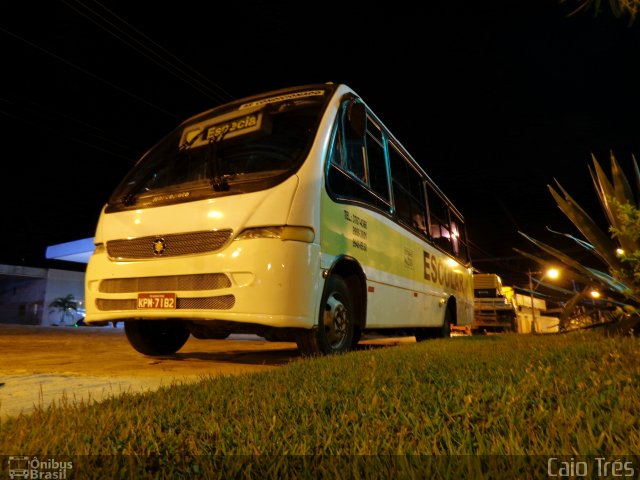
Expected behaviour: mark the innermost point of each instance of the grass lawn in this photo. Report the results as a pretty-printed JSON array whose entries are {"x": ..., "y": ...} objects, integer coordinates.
[{"x": 510, "y": 400}]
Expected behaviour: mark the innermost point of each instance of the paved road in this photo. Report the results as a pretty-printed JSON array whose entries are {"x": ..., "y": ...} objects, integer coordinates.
[{"x": 41, "y": 365}]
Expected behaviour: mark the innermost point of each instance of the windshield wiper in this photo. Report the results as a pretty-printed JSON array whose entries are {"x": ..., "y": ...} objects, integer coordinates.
[
  {"x": 218, "y": 180},
  {"x": 187, "y": 143},
  {"x": 129, "y": 198}
]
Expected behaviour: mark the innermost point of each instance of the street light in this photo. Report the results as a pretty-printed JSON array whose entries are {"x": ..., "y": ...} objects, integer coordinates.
[{"x": 552, "y": 273}]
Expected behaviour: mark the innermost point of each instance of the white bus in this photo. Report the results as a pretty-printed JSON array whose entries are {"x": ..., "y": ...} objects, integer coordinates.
[{"x": 294, "y": 215}]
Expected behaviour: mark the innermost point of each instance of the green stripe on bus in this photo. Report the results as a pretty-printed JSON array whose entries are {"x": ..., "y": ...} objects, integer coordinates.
[{"x": 351, "y": 230}]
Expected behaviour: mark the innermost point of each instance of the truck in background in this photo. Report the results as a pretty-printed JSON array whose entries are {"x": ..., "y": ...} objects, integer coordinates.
[
  {"x": 493, "y": 306},
  {"x": 498, "y": 308}
]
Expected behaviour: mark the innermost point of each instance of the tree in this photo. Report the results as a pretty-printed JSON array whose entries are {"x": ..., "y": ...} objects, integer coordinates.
[
  {"x": 628, "y": 228},
  {"x": 65, "y": 305},
  {"x": 617, "y": 248},
  {"x": 619, "y": 8}
]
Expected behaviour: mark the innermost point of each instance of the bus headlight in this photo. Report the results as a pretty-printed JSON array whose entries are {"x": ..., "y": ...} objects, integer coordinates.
[{"x": 300, "y": 234}]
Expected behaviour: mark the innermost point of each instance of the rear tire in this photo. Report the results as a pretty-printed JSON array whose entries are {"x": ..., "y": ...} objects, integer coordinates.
[
  {"x": 443, "y": 331},
  {"x": 335, "y": 332},
  {"x": 156, "y": 337},
  {"x": 218, "y": 336}
]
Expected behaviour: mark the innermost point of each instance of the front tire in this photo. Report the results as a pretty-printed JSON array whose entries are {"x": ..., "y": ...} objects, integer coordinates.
[
  {"x": 335, "y": 332},
  {"x": 156, "y": 337}
]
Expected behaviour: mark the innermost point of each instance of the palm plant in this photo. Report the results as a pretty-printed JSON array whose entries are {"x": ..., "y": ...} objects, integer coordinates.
[
  {"x": 618, "y": 249},
  {"x": 619, "y": 8},
  {"x": 65, "y": 305}
]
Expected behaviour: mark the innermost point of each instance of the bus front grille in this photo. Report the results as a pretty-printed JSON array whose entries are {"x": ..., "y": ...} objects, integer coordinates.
[
  {"x": 171, "y": 245},
  {"x": 172, "y": 283},
  {"x": 222, "y": 302}
]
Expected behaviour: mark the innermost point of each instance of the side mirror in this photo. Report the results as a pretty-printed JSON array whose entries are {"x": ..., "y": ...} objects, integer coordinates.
[{"x": 356, "y": 121}]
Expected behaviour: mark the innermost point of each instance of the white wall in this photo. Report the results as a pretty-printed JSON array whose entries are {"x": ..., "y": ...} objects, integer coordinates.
[{"x": 21, "y": 294}]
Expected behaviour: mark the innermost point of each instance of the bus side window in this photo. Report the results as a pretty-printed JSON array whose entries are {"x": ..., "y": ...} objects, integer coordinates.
[
  {"x": 353, "y": 152},
  {"x": 336, "y": 150},
  {"x": 408, "y": 193},
  {"x": 377, "y": 166},
  {"x": 350, "y": 177},
  {"x": 459, "y": 238},
  {"x": 439, "y": 220}
]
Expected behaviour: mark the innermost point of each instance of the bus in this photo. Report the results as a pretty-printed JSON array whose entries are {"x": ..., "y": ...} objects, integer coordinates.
[{"x": 295, "y": 215}]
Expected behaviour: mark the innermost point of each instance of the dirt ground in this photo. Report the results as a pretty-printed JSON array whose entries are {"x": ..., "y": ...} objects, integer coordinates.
[{"x": 41, "y": 365}]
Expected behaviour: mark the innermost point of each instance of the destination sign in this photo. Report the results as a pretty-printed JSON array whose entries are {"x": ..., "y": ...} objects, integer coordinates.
[{"x": 234, "y": 127}]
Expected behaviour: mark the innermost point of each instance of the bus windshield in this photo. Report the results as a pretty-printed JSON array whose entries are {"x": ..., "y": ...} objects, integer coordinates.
[{"x": 238, "y": 148}]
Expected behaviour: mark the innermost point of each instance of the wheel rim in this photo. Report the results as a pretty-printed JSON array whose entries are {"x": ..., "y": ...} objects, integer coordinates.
[{"x": 336, "y": 321}]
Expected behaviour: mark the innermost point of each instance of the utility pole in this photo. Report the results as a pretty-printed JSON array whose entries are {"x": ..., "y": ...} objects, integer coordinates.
[{"x": 533, "y": 311}]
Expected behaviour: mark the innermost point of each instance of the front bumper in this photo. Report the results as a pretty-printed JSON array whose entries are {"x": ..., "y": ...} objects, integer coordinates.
[{"x": 261, "y": 281}]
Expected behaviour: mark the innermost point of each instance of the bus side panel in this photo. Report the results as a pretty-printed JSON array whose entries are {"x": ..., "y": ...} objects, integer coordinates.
[
  {"x": 411, "y": 280},
  {"x": 465, "y": 311},
  {"x": 408, "y": 308}
]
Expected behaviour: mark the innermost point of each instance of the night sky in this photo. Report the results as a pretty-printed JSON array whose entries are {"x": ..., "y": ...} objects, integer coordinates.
[{"x": 494, "y": 99}]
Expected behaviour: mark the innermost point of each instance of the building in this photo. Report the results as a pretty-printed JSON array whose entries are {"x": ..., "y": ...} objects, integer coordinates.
[
  {"x": 26, "y": 292},
  {"x": 534, "y": 320}
]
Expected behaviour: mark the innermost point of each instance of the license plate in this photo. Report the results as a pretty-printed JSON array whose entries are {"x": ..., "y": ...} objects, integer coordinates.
[{"x": 156, "y": 301}]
